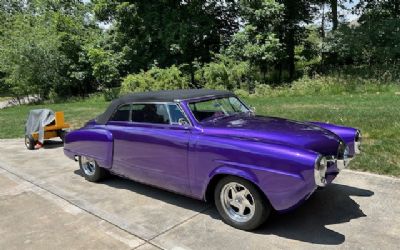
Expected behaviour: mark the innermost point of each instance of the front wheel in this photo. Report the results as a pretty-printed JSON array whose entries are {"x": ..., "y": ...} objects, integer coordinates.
[
  {"x": 91, "y": 170},
  {"x": 240, "y": 204}
]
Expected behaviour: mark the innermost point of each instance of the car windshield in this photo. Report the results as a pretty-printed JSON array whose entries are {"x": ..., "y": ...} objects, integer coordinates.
[{"x": 217, "y": 108}]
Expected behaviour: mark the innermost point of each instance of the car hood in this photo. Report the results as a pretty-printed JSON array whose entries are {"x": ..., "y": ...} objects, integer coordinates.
[{"x": 276, "y": 130}]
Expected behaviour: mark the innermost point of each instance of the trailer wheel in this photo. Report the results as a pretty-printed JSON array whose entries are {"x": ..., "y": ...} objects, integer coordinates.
[{"x": 30, "y": 142}]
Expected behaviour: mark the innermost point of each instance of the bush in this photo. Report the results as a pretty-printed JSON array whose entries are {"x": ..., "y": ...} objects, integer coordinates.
[
  {"x": 242, "y": 93},
  {"x": 263, "y": 90},
  {"x": 326, "y": 85},
  {"x": 111, "y": 94},
  {"x": 224, "y": 73},
  {"x": 155, "y": 79}
]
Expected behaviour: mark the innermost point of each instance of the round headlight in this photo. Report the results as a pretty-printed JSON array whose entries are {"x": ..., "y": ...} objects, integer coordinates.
[{"x": 321, "y": 166}]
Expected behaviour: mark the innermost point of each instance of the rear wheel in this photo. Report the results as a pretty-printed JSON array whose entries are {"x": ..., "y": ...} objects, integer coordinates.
[
  {"x": 30, "y": 142},
  {"x": 240, "y": 204},
  {"x": 91, "y": 170}
]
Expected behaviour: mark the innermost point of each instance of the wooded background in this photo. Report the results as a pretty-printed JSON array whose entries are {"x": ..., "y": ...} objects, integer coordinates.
[{"x": 59, "y": 49}]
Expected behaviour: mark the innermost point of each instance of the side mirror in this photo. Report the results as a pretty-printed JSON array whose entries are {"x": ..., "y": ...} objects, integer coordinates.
[{"x": 183, "y": 122}]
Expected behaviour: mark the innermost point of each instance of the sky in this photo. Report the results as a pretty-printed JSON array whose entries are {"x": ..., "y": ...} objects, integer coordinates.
[{"x": 348, "y": 15}]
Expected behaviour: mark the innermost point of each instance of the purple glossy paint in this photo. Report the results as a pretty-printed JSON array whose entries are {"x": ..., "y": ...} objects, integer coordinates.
[{"x": 275, "y": 154}]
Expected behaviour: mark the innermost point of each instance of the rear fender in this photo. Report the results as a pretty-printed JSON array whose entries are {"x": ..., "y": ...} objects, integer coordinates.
[{"x": 93, "y": 143}]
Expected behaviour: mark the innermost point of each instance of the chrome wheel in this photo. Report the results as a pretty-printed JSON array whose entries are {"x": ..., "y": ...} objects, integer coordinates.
[
  {"x": 237, "y": 202},
  {"x": 88, "y": 165}
]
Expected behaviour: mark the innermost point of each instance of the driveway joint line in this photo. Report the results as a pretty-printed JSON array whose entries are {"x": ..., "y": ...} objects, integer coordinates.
[
  {"x": 154, "y": 245},
  {"x": 181, "y": 223},
  {"x": 73, "y": 204}
]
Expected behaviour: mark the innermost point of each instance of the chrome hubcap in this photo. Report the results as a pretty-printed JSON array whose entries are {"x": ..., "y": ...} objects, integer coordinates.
[
  {"x": 237, "y": 202},
  {"x": 88, "y": 165},
  {"x": 27, "y": 141}
]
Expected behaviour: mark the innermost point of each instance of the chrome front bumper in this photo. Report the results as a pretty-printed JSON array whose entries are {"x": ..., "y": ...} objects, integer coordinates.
[
  {"x": 342, "y": 164},
  {"x": 357, "y": 147}
]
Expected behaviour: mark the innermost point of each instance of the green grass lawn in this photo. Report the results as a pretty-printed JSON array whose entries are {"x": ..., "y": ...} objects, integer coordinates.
[
  {"x": 12, "y": 120},
  {"x": 377, "y": 115}
]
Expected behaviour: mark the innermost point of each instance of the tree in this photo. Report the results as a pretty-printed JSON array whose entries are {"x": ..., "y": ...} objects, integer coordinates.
[
  {"x": 164, "y": 33},
  {"x": 29, "y": 56},
  {"x": 334, "y": 9},
  {"x": 375, "y": 38},
  {"x": 105, "y": 67},
  {"x": 296, "y": 14},
  {"x": 42, "y": 47},
  {"x": 257, "y": 42}
]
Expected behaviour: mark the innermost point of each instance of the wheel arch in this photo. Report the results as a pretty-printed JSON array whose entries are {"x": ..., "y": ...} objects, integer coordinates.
[{"x": 219, "y": 175}]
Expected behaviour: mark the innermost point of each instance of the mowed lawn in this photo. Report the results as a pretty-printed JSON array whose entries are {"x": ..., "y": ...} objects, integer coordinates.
[{"x": 377, "y": 115}]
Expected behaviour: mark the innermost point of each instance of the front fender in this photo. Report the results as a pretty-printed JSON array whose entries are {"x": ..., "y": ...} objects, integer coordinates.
[
  {"x": 284, "y": 190},
  {"x": 347, "y": 134}
]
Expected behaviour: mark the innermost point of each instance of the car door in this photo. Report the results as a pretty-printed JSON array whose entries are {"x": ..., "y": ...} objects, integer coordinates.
[{"x": 152, "y": 147}]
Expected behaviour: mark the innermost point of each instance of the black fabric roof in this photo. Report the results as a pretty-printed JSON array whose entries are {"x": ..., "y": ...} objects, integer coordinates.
[{"x": 159, "y": 96}]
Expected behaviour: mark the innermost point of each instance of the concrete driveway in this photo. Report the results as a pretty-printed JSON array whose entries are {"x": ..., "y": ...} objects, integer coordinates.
[{"x": 45, "y": 203}]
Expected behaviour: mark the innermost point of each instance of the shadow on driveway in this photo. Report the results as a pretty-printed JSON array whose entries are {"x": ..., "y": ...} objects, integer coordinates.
[
  {"x": 49, "y": 144},
  {"x": 306, "y": 223}
]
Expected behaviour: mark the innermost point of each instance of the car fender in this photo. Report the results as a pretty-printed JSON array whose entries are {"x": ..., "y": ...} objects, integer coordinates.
[
  {"x": 347, "y": 134},
  {"x": 283, "y": 173},
  {"x": 234, "y": 171},
  {"x": 226, "y": 170},
  {"x": 91, "y": 142}
]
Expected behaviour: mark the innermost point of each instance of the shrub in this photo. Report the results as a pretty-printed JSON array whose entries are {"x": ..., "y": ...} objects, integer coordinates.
[
  {"x": 326, "y": 85},
  {"x": 224, "y": 73},
  {"x": 263, "y": 90},
  {"x": 242, "y": 93},
  {"x": 111, "y": 94},
  {"x": 155, "y": 79}
]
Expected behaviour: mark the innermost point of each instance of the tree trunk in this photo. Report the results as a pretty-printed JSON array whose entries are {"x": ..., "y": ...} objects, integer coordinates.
[
  {"x": 280, "y": 73},
  {"x": 264, "y": 73},
  {"x": 292, "y": 17},
  {"x": 396, "y": 8},
  {"x": 323, "y": 21},
  {"x": 290, "y": 53},
  {"x": 192, "y": 79},
  {"x": 335, "y": 22},
  {"x": 334, "y": 7}
]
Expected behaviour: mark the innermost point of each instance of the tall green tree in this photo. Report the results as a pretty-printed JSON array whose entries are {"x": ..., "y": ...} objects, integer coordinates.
[
  {"x": 292, "y": 29},
  {"x": 42, "y": 47},
  {"x": 29, "y": 56},
  {"x": 164, "y": 32},
  {"x": 258, "y": 40}
]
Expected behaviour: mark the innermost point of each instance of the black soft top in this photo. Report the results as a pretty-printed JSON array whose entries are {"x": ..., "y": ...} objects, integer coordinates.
[{"x": 160, "y": 96}]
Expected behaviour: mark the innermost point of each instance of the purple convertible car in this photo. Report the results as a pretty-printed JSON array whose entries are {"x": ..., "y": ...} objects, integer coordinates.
[{"x": 209, "y": 145}]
